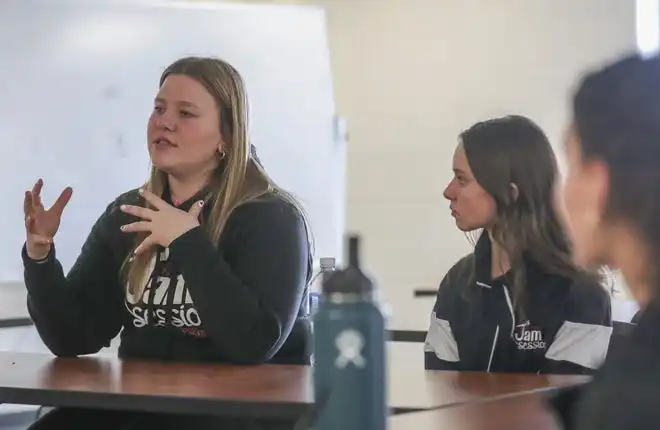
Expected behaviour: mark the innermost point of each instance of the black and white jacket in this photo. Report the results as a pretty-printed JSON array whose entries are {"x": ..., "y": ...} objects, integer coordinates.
[{"x": 474, "y": 326}]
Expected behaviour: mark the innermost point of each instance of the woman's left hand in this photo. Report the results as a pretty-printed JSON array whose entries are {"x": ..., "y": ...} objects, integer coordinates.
[{"x": 164, "y": 222}]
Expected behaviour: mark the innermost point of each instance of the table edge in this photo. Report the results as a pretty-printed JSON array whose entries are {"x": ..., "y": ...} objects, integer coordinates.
[{"x": 153, "y": 403}]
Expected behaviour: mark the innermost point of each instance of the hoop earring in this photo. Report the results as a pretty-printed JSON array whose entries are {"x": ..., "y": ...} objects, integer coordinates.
[{"x": 223, "y": 154}]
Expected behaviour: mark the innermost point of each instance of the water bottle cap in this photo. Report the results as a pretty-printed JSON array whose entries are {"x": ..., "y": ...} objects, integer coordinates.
[{"x": 350, "y": 280}]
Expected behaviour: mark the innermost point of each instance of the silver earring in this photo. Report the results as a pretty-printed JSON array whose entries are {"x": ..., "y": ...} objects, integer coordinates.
[{"x": 222, "y": 154}]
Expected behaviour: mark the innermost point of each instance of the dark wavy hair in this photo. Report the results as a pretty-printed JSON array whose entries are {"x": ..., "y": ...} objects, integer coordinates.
[
  {"x": 514, "y": 151},
  {"x": 616, "y": 115}
]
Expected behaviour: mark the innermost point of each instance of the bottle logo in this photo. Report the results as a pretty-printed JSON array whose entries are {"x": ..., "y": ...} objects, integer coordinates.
[{"x": 350, "y": 343}]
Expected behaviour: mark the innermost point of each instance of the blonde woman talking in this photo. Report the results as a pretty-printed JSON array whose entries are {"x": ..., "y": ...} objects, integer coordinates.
[{"x": 208, "y": 261}]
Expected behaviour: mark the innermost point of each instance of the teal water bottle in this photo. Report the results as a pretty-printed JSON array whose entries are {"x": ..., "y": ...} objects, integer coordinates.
[{"x": 349, "y": 347}]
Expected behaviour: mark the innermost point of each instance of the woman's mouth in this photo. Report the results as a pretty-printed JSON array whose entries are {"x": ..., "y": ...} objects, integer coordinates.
[{"x": 163, "y": 142}]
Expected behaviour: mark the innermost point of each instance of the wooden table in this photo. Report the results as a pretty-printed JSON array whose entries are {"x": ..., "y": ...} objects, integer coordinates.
[
  {"x": 524, "y": 412},
  {"x": 265, "y": 391},
  {"x": 416, "y": 390},
  {"x": 109, "y": 383}
]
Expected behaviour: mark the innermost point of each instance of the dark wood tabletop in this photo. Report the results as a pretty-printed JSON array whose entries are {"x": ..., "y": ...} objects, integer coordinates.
[
  {"x": 266, "y": 390},
  {"x": 437, "y": 389},
  {"x": 109, "y": 383},
  {"x": 524, "y": 412}
]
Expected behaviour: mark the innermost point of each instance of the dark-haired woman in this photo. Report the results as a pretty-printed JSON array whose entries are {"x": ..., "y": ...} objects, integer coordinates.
[
  {"x": 517, "y": 303},
  {"x": 613, "y": 208}
]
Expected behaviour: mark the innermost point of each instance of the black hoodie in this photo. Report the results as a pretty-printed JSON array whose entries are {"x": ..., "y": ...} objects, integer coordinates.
[
  {"x": 624, "y": 392},
  {"x": 235, "y": 302},
  {"x": 565, "y": 328}
]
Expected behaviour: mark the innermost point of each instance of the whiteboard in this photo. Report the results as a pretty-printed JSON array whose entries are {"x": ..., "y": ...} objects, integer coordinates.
[{"x": 77, "y": 87}]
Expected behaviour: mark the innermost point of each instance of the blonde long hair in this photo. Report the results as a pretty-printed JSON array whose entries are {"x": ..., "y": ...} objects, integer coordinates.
[{"x": 239, "y": 178}]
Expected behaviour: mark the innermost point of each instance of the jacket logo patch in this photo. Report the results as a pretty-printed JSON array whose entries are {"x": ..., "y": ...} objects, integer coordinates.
[{"x": 528, "y": 337}]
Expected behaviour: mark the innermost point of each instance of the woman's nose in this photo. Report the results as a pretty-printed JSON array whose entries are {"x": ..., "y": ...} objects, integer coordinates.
[
  {"x": 163, "y": 122},
  {"x": 447, "y": 193}
]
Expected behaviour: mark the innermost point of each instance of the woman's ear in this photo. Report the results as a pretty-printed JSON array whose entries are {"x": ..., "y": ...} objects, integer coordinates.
[{"x": 515, "y": 193}]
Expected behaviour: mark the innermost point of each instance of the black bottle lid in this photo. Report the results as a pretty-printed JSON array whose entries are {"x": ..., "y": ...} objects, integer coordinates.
[{"x": 351, "y": 280}]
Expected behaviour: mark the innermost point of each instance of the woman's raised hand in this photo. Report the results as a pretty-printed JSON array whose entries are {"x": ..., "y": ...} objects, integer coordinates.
[{"x": 41, "y": 224}]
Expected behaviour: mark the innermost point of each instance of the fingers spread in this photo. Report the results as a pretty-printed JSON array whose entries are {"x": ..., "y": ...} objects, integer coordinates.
[
  {"x": 36, "y": 192},
  {"x": 36, "y": 189},
  {"x": 136, "y": 226},
  {"x": 138, "y": 211},
  {"x": 27, "y": 203},
  {"x": 62, "y": 201}
]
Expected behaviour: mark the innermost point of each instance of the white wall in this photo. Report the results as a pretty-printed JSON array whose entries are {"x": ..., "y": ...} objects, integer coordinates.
[{"x": 411, "y": 74}]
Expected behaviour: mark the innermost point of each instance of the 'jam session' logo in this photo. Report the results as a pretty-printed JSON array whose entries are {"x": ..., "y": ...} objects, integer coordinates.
[
  {"x": 159, "y": 306},
  {"x": 528, "y": 337}
]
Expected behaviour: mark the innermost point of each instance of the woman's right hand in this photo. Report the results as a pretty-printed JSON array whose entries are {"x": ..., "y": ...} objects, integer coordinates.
[{"x": 41, "y": 224}]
